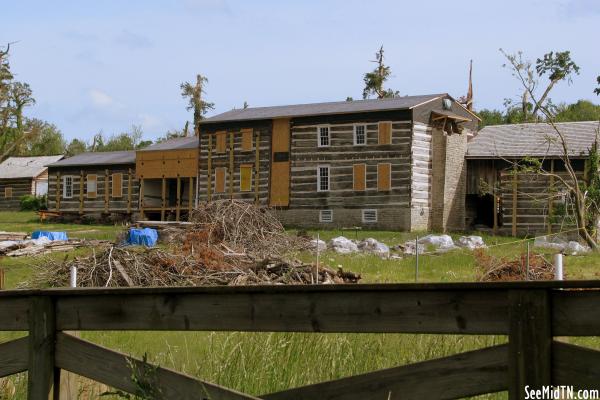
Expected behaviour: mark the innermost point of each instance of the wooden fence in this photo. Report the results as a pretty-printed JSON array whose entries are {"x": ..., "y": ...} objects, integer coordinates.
[{"x": 530, "y": 313}]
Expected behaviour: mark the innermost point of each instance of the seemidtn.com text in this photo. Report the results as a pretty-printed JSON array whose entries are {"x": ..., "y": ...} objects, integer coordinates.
[{"x": 561, "y": 393}]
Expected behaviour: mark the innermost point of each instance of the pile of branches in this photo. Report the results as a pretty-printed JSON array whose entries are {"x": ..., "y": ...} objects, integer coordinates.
[
  {"x": 125, "y": 266},
  {"x": 493, "y": 269},
  {"x": 244, "y": 227}
]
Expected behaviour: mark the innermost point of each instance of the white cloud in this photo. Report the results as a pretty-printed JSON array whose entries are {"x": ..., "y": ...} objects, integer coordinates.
[
  {"x": 100, "y": 99},
  {"x": 149, "y": 122}
]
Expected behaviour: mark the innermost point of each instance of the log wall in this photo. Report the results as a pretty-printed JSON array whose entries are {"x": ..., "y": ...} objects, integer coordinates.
[
  {"x": 19, "y": 187},
  {"x": 79, "y": 203}
]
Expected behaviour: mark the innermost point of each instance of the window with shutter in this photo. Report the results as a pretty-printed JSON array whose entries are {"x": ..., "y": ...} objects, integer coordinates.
[
  {"x": 221, "y": 142},
  {"x": 220, "y": 180},
  {"x": 384, "y": 181},
  {"x": 246, "y": 139},
  {"x": 359, "y": 177},
  {"x": 385, "y": 133},
  {"x": 246, "y": 178},
  {"x": 117, "y": 185},
  {"x": 92, "y": 186}
]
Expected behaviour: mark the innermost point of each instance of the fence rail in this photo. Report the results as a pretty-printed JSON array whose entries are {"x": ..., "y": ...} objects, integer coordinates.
[{"x": 530, "y": 313}]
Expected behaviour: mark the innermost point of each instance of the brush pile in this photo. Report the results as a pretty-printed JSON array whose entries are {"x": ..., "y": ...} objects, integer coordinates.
[
  {"x": 124, "y": 266},
  {"x": 492, "y": 269}
]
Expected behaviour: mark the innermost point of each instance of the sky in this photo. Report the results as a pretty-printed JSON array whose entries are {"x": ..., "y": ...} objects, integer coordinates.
[{"x": 106, "y": 65}]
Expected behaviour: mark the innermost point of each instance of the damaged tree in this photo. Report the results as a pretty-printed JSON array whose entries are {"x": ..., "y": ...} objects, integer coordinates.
[
  {"x": 196, "y": 102},
  {"x": 560, "y": 67}
]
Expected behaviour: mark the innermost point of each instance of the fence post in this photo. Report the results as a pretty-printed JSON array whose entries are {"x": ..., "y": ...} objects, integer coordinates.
[
  {"x": 530, "y": 341},
  {"x": 42, "y": 382},
  {"x": 2, "y": 283}
]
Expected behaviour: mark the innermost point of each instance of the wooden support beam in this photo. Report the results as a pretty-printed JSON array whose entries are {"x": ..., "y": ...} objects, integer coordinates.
[
  {"x": 190, "y": 197},
  {"x": 141, "y": 199},
  {"x": 551, "y": 193},
  {"x": 58, "y": 194},
  {"x": 209, "y": 169},
  {"x": 106, "y": 191},
  {"x": 495, "y": 226},
  {"x": 81, "y": 183},
  {"x": 231, "y": 165},
  {"x": 514, "y": 202},
  {"x": 42, "y": 336},
  {"x": 461, "y": 375},
  {"x": 530, "y": 341},
  {"x": 129, "y": 190},
  {"x": 163, "y": 198},
  {"x": 14, "y": 356},
  {"x": 116, "y": 369},
  {"x": 257, "y": 168},
  {"x": 178, "y": 209}
]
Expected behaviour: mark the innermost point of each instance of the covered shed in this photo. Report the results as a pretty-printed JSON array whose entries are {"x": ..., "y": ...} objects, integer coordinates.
[
  {"x": 167, "y": 173},
  {"x": 20, "y": 176},
  {"x": 101, "y": 184},
  {"x": 502, "y": 200}
]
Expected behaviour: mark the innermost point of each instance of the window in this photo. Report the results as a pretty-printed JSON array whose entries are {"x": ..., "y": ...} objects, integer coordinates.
[
  {"x": 92, "y": 186},
  {"x": 8, "y": 192},
  {"x": 221, "y": 142},
  {"x": 67, "y": 187},
  {"x": 246, "y": 178},
  {"x": 246, "y": 139},
  {"x": 359, "y": 181},
  {"x": 323, "y": 132},
  {"x": 369, "y": 216},
  {"x": 220, "y": 180},
  {"x": 117, "y": 185},
  {"x": 384, "y": 177},
  {"x": 326, "y": 216},
  {"x": 385, "y": 133},
  {"x": 323, "y": 178},
  {"x": 360, "y": 135}
]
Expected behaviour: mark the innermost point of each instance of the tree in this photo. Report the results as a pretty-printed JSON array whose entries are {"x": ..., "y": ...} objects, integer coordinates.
[
  {"x": 195, "y": 101},
  {"x": 47, "y": 142},
  {"x": 559, "y": 67},
  {"x": 585, "y": 209},
  {"x": 583, "y": 110},
  {"x": 491, "y": 117},
  {"x": 123, "y": 141},
  {"x": 375, "y": 80},
  {"x": 75, "y": 146},
  {"x": 597, "y": 90}
]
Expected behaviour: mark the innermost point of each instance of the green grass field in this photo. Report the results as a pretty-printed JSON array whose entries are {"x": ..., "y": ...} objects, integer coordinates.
[{"x": 259, "y": 363}]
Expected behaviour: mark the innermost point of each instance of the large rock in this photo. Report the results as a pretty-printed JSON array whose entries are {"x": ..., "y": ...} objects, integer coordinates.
[
  {"x": 471, "y": 242},
  {"x": 556, "y": 243},
  {"x": 371, "y": 245},
  {"x": 343, "y": 245},
  {"x": 319, "y": 245},
  {"x": 442, "y": 242}
]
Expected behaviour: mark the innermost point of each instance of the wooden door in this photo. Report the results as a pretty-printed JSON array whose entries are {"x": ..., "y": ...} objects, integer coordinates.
[{"x": 280, "y": 164}]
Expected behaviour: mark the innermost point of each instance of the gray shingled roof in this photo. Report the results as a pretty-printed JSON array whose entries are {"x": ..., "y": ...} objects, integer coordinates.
[
  {"x": 190, "y": 142},
  {"x": 534, "y": 139},
  {"x": 337, "y": 107},
  {"x": 99, "y": 158},
  {"x": 25, "y": 167}
]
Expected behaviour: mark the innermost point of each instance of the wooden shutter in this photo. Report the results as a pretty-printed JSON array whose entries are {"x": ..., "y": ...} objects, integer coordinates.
[
  {"x": 246, "y": 139},
  {"x": 385, "y": 133},
  {"x": 117, "y": 185},
  {"x": 8, "y": 192},
  {"x": 221, "y": 142},
  {"x": 359, "y": 179},
  {"x": 246, "y": 177},
  {"x": 220, "y": 180},
  {"x": 384, "y": 177},
  {"x": 92, "y": 186}
]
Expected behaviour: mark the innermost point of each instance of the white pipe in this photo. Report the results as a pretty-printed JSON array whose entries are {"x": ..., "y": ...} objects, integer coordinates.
[
  {"x": 558, "y": 267},
  {"x": 73, "y": 280}
]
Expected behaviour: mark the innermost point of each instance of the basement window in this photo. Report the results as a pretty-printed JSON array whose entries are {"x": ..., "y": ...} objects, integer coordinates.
[
  {"x": 360, "y": 135},
  {"x": 369, "y": 216},
  {"x": 67, "y": 187},
  {"x": 326, "y": 216},
  {"x": 323, "y": 178},
  {"x": 324, "y": 138}
]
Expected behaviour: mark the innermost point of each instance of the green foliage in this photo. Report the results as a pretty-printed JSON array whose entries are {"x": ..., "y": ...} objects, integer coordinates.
[
  {"x": 75, "y": 146},
  {"x": 195, "y": 101},
  {"x": 48, "y": 140},
  {"x": 124, "y": 141},
  {"x": 583, "y": 110},
  {"x": 597, "y": 90},
  {"x": 30, "y": 202},
  {"x": 557, "y": 65},
  {"x": 592, "y": 187},
  {"x": 375, "y": 80},
  {"x": 172, "y": 134}
]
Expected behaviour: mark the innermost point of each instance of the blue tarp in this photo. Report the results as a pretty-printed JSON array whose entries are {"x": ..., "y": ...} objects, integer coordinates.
[
  {"x": 142, "y": 237},
  {"x": 50, "y": 235}
]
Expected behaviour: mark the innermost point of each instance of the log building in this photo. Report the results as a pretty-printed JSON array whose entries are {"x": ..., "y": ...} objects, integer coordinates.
[
  {"x": 99, "y": 185},
  {"x": 20, "y": 176},
  {"x": 389, "y": 164},
  {"x": 505, "y": 200}
]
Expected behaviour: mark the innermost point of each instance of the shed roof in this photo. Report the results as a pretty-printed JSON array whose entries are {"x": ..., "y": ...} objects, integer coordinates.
[
  {"x": 188, "y": 142},
  {"x": 337, "y": 107},
  {"x": 99, "y": 158},
  {"x": 25, "y": 167},
  {"x": 532, "y": 140}
]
